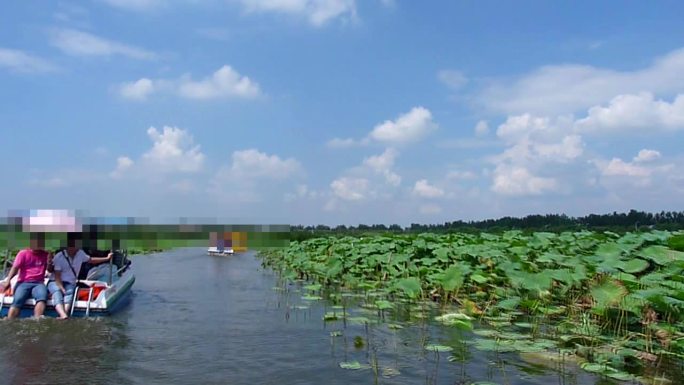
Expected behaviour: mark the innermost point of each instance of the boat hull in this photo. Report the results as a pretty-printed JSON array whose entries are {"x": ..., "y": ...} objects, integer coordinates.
[{"x": 216, "y": 252}]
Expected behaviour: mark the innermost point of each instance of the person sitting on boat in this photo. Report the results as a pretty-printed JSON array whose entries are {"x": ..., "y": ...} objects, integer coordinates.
[
  {"x": 30, "y": 264},
  {"x": 67, "y": 265}
]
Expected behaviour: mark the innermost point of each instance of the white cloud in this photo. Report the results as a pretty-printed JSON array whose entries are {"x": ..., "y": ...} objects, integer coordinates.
[
  {"x": 534, "y": 144},
  {"x": 452, "y": 79},
  {"x": 423, "y": 189},
  {"x": 351, "y": 189},
  {"x": 72, "y": 14},
  {"x": 467, "y": 143},
  {"x": 138, "y": 90},
  {"x": 19, "y": 61},
  {"x": 531, "y": 138},
  {"x": 634, "y": 112},
  {"x": 639, "y": 171},
  {"x": 224, "y": 83},
  {"x": 184, "y": 186},
  {"x": 317, "y": 12},
  {"x": 135, "y": 5},
  {"x": 560, "y": 89},
  {"x": 482, "y": 128},
  {"x": 123, "y": 163},
  {"x": 407, "y": 128},
  {"x": 521, "y": 126},
  {"x": 253, "y": 164},
  {"x": 645, "y": 182},
  {"x": 618, "y": 167},
  {"x": 383, "y": 161},
  {"x": 571, "y": 147},
  {"x": 254, "y": 176},
  {"x": 646, "y": 155},
  {"x": 373, "y": 179},
  {"x": 518, "y": 181},
  {"x": 302, "y": 191},
  {"x": 80, "y": 43},
  {"x": 52, "y": 182},
  {"x": 541, "y": 145},
  {"x": 173, "y": 150},
  {"x": 382, "y": 164},
  {"x": 392, "y": 178}
]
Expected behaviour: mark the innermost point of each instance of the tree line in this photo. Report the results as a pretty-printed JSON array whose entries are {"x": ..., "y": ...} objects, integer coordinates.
[{"x": 618, "y": 222}]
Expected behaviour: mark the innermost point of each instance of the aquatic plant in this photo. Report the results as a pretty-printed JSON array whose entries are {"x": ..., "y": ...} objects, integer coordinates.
[{"x": 617, "y": 301}]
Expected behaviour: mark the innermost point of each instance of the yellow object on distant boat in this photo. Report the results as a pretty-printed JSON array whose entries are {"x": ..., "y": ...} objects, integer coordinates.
[
  {"x": 239, "y": 242},
  {"x": 227, "y": 243}
]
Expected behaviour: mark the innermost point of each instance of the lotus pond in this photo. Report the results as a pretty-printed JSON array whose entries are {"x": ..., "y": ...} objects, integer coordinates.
[{"x": 607, "y": 305}]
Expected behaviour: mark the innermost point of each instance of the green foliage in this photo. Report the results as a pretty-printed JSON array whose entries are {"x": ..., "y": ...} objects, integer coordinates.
[
  {"x": 452, "y": 278},
  {"x": 608, "y": 293},
  {"x": 409, "y": 286},
  {"x": 588, "y": 290}
]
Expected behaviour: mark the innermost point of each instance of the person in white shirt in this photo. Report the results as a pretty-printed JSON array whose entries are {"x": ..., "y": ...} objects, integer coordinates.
[{"x": 67, "y": 265}]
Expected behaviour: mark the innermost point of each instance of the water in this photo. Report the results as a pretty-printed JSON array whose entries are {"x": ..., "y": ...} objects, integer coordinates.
[{"x": 218, "y": 320}]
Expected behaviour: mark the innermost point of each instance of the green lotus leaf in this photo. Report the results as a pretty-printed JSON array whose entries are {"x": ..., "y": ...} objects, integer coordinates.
[
  {"x": 610, "y": 250},
  {"x": 311, "y": 298},
  {"x": 608, "y": 293},
  {"x": 409, "y": 286},
  {"x": 509, "y": 304},
  {"x": 383, "y": 304},
  {"x": 593, "y": 367},
  {"x": 635, "y": 265},
  {"x": 661, "y": 254},
  {"x": 438, "y": 348},
  {"x": 452, "y": 278},
  {"x": 354, "y": 365},
  {"x": 479, "y": 278}
]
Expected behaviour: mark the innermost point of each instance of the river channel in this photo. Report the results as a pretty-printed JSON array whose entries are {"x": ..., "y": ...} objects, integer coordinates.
[{"x": 195, "y": 318}]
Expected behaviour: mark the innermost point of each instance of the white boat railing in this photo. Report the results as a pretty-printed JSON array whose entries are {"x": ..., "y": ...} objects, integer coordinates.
[{"x": 90, "y": 298}]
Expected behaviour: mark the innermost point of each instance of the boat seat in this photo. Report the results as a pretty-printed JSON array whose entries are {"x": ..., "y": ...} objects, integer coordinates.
[{"x": 97, "y": 289}]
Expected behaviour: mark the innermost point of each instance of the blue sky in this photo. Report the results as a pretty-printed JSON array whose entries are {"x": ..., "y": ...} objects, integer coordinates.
[{"x": 341, "y": 111}]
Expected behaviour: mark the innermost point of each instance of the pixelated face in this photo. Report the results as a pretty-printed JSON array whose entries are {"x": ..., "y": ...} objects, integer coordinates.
[
  {"x": 37, "y": 241},
  {"x": 74, "y": 242}
]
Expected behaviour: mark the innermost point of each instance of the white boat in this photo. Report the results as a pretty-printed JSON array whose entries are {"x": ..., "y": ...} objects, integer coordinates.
[
  {"x": 106, "y": 290},
  {"x": 217, "y": 251}
]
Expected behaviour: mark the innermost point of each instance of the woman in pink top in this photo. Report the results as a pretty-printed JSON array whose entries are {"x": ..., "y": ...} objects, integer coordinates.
[{"x": 30, "y": 264}]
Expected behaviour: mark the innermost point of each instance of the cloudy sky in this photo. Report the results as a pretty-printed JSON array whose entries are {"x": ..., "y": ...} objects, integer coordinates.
[{"x": 341, "y": 111}]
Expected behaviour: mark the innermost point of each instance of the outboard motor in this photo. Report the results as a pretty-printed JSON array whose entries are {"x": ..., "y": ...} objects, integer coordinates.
[{"x": 121, "y": 261}]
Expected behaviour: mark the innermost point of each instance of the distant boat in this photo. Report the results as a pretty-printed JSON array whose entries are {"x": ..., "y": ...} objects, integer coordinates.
[{"x": 217, "y": 251}]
